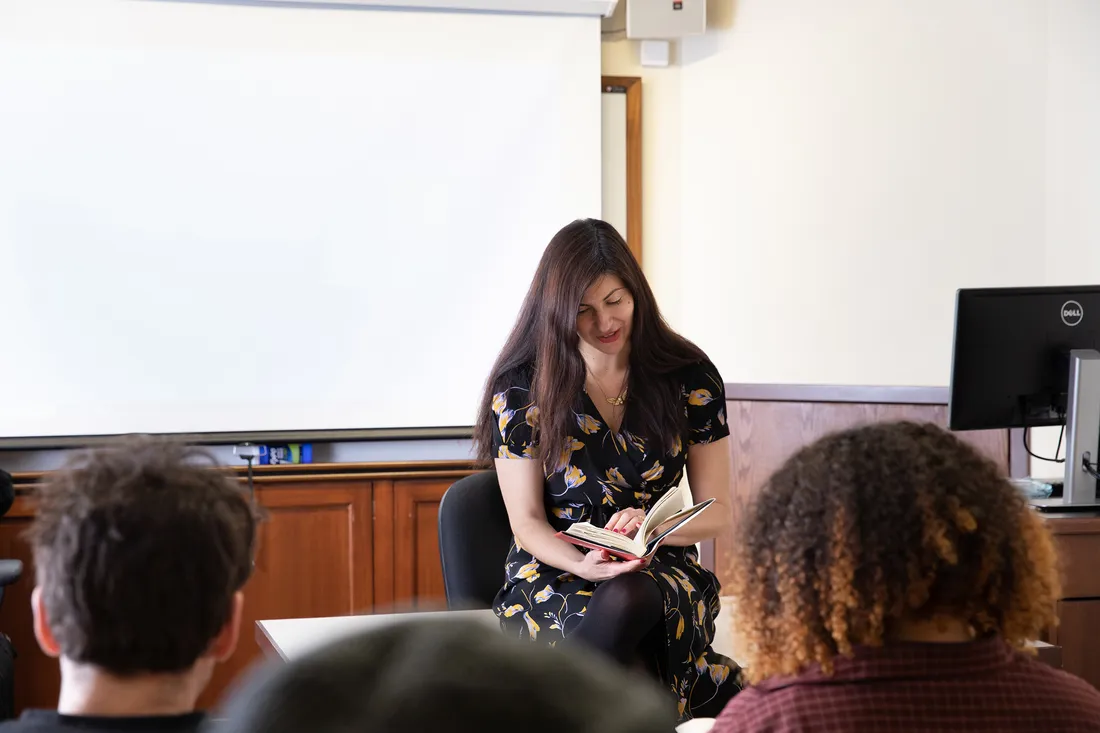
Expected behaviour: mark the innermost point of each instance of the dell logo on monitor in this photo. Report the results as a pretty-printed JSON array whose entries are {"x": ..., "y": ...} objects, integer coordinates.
[{"x": 1072, "y": 313}]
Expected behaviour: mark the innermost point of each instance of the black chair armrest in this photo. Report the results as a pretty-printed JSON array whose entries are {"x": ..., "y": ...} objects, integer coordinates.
[
  {"x": 7, "y": 492},
  {"x": 10, "y": 571}
]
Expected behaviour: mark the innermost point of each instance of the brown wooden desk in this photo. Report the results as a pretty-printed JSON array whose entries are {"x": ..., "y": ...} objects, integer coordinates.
[
  {"x": 1049, "y": 653},
  {"x": 1078, "y": 633}
]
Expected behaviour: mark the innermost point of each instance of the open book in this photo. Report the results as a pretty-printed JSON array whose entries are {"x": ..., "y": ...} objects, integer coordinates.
[{"x": 666, "y": 516}]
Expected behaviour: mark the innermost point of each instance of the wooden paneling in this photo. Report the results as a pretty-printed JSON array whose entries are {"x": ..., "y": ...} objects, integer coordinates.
[
  {"x": 1078, "y": 542},
  {"x": 312, "y": 559},
  {"x": 1078, "y": 636},
  {"x": 765, "y": 433},
  {"x": 408, "y": 572},
  {"x": 418, "y": 574},
  {"x": 1078, "y": 632},
  {"x": 385, "y": 545}
]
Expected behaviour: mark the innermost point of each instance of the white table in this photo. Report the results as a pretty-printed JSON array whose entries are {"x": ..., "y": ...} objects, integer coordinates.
[{"x": 291, "y": 638}]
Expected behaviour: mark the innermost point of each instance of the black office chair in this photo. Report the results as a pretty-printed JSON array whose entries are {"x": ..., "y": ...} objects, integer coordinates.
[
  {"x": 10, "y": 571},
  {"x": 474, "y": 537}
]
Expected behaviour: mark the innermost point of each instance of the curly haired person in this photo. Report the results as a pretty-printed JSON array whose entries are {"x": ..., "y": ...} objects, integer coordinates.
[{"x": 889, "y": 579}]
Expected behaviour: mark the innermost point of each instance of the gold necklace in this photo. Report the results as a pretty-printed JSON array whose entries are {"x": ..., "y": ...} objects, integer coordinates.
[{"x": 621, "y": 398}]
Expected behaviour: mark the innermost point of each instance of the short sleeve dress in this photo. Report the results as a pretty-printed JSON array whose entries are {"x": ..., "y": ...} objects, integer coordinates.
[{"x": 605, "y": 472}]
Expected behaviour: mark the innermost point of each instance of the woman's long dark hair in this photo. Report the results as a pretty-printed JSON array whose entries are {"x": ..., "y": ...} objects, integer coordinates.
[{"x": 545, "y": 343}]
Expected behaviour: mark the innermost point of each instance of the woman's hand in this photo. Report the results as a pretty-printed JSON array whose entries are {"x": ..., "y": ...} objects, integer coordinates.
[
  {"x": 626, "y": 521},
  {"x": 600, "y": 565}
]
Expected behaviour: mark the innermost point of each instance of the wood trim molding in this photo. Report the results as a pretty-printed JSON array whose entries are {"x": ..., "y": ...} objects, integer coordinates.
[
  {"x": 836, "y": 393},
  {"x": 322, "y": 471},
  {"x": 385, "y": 544},
  {"x": 632, "y": 87}
]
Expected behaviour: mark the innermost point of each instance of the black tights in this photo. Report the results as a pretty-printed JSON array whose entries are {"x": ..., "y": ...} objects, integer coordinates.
[{"x": 623, "y": 619}]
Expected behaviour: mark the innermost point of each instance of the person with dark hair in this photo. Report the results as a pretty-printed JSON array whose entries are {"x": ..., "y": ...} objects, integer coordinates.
[
  {"x": 889, "y": 578},
  {"x": 443, "y": 675},
  {"x": 140, "y": 552},
  {"x": 592, "y": 411}
]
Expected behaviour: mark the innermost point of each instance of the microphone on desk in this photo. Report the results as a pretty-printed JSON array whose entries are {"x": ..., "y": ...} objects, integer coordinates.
[{"x": 249, "y": 453}]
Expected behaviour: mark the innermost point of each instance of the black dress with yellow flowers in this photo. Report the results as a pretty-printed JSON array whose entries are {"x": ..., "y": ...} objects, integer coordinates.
[{"x": 605, "y": 472}]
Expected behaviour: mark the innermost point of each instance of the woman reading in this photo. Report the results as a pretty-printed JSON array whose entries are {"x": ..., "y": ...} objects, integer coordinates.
[{"x": 593, "y": 410}]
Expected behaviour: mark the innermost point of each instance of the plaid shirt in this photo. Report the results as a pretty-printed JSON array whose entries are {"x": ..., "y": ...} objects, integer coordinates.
[{"x": 979, "y": 686}]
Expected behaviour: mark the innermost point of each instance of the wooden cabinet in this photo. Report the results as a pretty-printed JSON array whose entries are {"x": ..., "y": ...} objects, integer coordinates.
[
  {"x": 313, "y": 558},
  {"x": 1078, "y": 632},
  {"x": 416, "y": 574},
  {"x": 335, "y": 540}
]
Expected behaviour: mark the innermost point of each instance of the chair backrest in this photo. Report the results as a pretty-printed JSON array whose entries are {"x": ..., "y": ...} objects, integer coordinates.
[{"x": 474, "y": 538}]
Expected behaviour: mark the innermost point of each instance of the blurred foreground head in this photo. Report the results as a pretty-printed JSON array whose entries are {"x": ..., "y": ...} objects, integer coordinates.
[{"x": 446, "y": 675}]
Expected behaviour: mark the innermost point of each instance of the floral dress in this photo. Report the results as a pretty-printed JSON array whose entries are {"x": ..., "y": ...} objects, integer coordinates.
[{"x": 605, "y": 472}]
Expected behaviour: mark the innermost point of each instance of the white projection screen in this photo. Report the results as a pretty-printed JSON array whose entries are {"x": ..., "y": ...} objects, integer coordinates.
[{"x": 224, "y": 221}]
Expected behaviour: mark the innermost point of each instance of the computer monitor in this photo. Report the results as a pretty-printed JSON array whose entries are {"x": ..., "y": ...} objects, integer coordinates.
[{"x": 1030, "y": 357}]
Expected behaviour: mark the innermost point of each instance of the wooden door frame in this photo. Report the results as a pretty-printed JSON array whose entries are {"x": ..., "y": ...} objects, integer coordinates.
[{"x": 631, "y": 86}]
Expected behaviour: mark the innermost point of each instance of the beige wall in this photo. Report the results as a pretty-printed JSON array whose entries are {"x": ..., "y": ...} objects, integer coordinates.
[
  {"x": 1072, "y": 163},
  {"x": 820, "y": 177},
  {"x": 1073, "y": 142}
]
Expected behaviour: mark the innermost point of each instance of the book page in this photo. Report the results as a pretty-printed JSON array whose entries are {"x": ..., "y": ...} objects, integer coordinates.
[
  {"x": 674, "y": 523},
  {"x": 666, "y": 506},
  {"x": 587, "y": 531}
]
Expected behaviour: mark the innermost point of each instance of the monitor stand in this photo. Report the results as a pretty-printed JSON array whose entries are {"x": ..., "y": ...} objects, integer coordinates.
[
  {"x": 1058, "y": 506},
  {"x": 1082, "y": 437}
]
